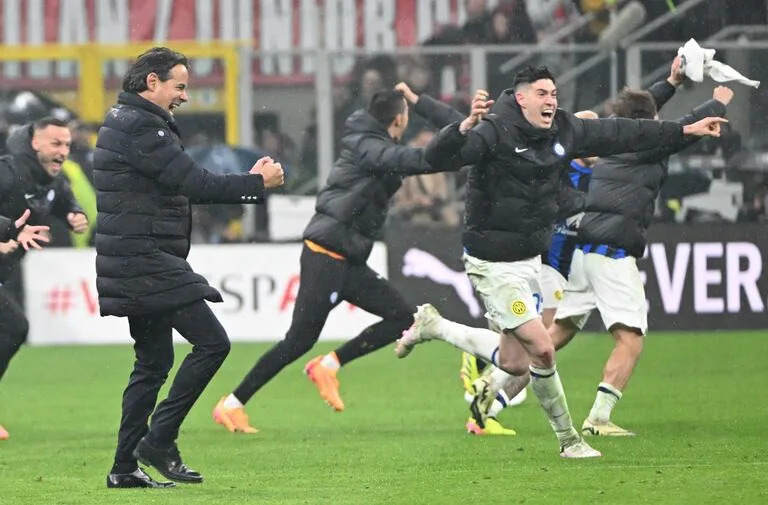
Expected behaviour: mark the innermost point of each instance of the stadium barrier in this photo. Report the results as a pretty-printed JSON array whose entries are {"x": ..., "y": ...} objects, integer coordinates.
[
  {"x": 258, "y": 283},
  {"x": 697, "y": 277}
]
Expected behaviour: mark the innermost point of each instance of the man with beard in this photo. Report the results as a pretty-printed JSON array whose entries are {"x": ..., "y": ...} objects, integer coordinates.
[{"x": 30, "y": 179}]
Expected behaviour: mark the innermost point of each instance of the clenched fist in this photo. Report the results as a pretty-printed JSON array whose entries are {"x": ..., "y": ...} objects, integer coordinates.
[
  {"x": 77, "y": 221},
  {"x": 271, "y": 172},
  {"x": 481, "y": 105}
]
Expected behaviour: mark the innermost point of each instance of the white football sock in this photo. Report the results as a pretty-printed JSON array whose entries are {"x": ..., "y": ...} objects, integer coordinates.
[
  {"x": 479, "y": 342},
  {"x": 498, "y": 378},
  {"x": 231, "y": 402},
  {"x": 547, "y": 387},
  {"x": 330, "y": 361},
  {"x": 605, "y": 400},
  {"x": 499, "y": 404}
]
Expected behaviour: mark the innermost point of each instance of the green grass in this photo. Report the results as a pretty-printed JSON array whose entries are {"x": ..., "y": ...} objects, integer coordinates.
[{"x": 698, "y": 402}]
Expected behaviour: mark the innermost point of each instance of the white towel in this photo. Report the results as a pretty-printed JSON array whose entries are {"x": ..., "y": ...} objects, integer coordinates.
[{"x": 698, "y": 61}]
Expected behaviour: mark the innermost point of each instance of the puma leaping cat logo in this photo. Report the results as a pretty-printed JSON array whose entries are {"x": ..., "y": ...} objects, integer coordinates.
[{"x": 418, "y": 263}]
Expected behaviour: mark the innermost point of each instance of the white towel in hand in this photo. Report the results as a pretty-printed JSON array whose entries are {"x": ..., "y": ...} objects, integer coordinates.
[{"x": 698, "y": 61}]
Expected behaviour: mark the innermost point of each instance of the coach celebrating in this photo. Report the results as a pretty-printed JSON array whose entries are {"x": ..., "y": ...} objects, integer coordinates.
[{"x": 145, "y": 183}]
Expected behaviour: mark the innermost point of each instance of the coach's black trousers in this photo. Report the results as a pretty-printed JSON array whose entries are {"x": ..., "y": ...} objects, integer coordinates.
[
  {"x": 152, "y": 334},
  {"x": 13, "y": 328},
  {"x": 326, "y": 282}
]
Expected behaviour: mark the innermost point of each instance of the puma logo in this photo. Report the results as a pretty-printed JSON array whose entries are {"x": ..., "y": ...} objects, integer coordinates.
[{"x": 418, "y": 263}]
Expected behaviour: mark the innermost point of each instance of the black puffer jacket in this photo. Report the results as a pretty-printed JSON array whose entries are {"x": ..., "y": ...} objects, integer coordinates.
[
  {"x": 623, "y": 189},
  {"x": 352, "y": 207},
  {"x": 145, "y": 183},
  {"x": 513, "y": 185},
  {"x": 24, "y": 184},
  {"x": 8, "y": 230}
]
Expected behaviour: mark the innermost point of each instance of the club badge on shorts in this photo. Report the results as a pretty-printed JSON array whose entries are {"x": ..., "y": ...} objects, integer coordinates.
[{"x": 518, "y": 307}]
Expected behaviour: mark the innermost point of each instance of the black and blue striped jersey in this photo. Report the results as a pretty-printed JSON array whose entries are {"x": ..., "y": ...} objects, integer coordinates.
[{"x": 564, "y": 238}]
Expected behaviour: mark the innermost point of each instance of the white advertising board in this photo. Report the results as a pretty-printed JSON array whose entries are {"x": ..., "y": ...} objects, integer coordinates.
[{"x": 258, "y": 282}]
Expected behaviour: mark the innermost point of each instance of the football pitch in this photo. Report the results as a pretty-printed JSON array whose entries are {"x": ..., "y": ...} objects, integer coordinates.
[{"x": 697, "y": 401}]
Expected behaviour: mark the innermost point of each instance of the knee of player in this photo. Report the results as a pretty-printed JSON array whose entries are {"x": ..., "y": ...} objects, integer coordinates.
[
  {"x": 514, "y": 365},
  {"x": 544, "y": 354},
  {"x": 221, "y": 348}
]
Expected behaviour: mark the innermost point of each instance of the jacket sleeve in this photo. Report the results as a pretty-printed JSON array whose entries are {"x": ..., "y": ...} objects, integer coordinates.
[
  {"x": 661, "y": 92},
  {"x": 8, "y": 229},
  {"x": 438, "y": 113},
  {"x": 65, "y": 200},
  {"x": 159, "y": 158},
  {"x": 710, "y": 108},
  {"x": 604, "y": 137},
  {"x": 452, "y": 150}
]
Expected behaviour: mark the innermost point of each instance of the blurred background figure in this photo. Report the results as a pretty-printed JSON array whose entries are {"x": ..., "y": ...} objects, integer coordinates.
[{"x": 425, "y": 199}]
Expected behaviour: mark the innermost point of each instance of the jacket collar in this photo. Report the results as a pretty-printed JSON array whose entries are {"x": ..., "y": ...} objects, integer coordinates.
[{"x": 134, "y": 100}]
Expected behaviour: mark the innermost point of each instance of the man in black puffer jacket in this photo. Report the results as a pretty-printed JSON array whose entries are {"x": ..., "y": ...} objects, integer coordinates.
[
  {"x": 13, "y": 324},
  {"x": 31, "y": 178},
  {"x": 618, "y": 211},
  {"x": 31, "y": 181},
  {"x": 518, "y": 153},
  {"x": 349, "y": 215},
  {"x": 145, "y": 183}
]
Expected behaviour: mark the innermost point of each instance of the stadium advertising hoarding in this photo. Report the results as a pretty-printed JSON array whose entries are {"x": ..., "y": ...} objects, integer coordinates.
[
  {"x": 269, "y": 25},
  {"x": 697, "y": 277},
  {"x": 258, "y": 283}
]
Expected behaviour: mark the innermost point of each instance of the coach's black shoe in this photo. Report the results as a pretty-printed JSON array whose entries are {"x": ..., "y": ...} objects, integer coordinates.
[
  {"x": 137, "y": 478},
  {"x": 166, "y": 461}
]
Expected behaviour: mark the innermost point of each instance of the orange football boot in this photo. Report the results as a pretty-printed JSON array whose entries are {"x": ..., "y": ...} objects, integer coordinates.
[{"x": 326, "y": 382}]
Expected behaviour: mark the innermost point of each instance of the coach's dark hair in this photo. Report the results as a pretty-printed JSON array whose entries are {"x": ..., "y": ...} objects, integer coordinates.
[
  {"x": 385, "y": 105},
  {"x": 158, "y": 60},
  {"x": 634, "y": 104},
  {"x": 45, "y": 122},
  {"x": 532, "y": 74}
]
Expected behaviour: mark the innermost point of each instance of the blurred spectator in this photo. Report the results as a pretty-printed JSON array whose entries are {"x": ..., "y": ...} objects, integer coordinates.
[
  {"x": 425, "y": 199},
  {"x": 548, "y": 16},
  {"x": 477, "y": 28},
  {"x": 592, "y": 86},
  {"x": 279, "y": 146},
  {"x": 373, "y": 74},
  {"x": 306, "y": 165},
  {"x": 83, "y": 139},
  {"x": 755, "y": 203},
  {"x": 446, "y": 69},
  {"x": 509, "y": 24},
  {"x": 602, "y": 15},
  {"x": 4, "y": 127}
]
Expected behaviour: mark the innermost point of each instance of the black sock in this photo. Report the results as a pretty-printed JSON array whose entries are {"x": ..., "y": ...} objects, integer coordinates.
[
  {"x": 124, "y": 467},
  {"x": 372, "y": 338}
]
